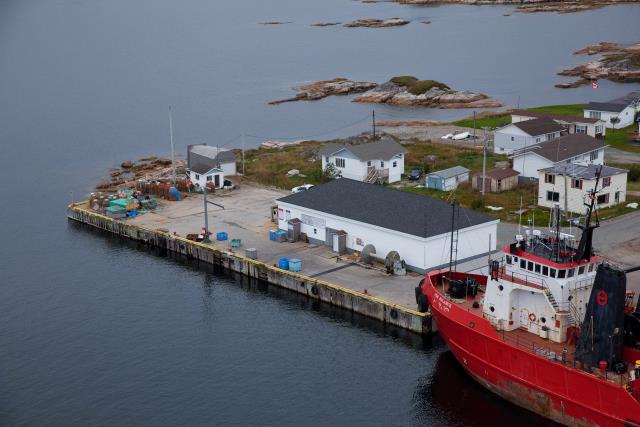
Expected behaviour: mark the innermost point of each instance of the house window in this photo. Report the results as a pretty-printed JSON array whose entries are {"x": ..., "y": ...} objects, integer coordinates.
[
  {"x": 381, "y": 164},
  {"x": 595, "y": 114},
  {"x": 369, "y": 163},
  {"x": 553, "y": 196},
  {"x": 537, "y": 139},
  {"x": 512, "y": 138},
  {"x": 395, "y": 164},
  {"x": 326, "y": 159},
  {"x": 197, "y": 177},
  {"x": 550, "y": 136},
  {"x": 593, "y": 155},
  {"x": 581, "y": 129},
  {"x": 606, "y": 181},
  {"x": 549, "y": 178},
  {"x": 599, "y": 129},
  {"x": 340, "y": 162},
  {"x": 209, "y": 178},
  {"x": 603, "y": 199},
  {"x": 576, "y": 183}
]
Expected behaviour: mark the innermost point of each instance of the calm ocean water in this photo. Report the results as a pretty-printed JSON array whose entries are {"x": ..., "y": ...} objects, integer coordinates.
[{"x": 95, "y": 330}]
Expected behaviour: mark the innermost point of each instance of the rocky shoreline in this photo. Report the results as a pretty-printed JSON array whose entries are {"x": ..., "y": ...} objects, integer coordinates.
[
  {"x": 617, "y": 63},
  {"x": 404, "y": 90},
  {"x": 529, "y": 6},
  {"x": 376, "y": 23}
]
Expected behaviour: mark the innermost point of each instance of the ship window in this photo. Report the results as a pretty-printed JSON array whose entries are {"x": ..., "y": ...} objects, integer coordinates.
[
  {"x": 570, "y": 272},
  {"x": 581, "y": 270},
  {"x": 552, "y": 272},
  {"x": 515, "y": 259},
  {"x": 545, "y": 270},
  {"x": 530, "y": 266},
  {"x": 537, "y": 268},
  {"x": 523, "y": 263},
  {"x": 590, "y": 268},
  {"x": 562, "y": 274},
  {"x": 508, "y": 258}
]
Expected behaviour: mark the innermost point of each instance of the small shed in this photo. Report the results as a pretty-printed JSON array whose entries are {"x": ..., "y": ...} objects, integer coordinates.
[
  {"x": 496, "y": 180},
  {"x": 447, "y": 179}
]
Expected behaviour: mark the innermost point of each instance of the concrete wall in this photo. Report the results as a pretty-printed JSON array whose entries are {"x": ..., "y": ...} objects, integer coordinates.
[
  {"x": 348, "y": 299},
  {"x": 575, "y": 197},
  {"x": 419, "y": 253}
]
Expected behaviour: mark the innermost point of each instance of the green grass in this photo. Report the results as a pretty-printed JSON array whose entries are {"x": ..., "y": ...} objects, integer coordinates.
[
  {"x": 481, "y": 122},
  {"x": 619, "y": 138},
  {"x": 418, "y": 87},
  {"x": 567, "y": 109}
]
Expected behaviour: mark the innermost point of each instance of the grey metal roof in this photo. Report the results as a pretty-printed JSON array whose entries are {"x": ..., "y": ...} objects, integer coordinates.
[
  {"x": 450, "y": 173},
  {"x": 615, "y": 105},
  {"x": 539, "y": 126},
  {"x": 381, "y": 150},
  {"x": 388, "y": 208},
  {"x": 582, "y": 171},
  {"x": 565, "y": 147},
  {"x": 202, "y": 158},
  {"x": 610, "y": 107},
  {"x": 555, "y": 117}
]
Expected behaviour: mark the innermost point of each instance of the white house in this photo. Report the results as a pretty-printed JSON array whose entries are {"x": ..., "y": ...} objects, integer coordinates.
[
  {"x": 447, "y": 179},
  {"x": 573, "y": 124},
  {"x": 374, "y": 162},
  {"x": 207, "y": 164},
  {"x": 569, "y": 185},
  {"x": 417, "y": 227},
  {"x": 522, "y": 134},
  {"x": 575, "y": 148},
  {"x": 623, "y": 108}
]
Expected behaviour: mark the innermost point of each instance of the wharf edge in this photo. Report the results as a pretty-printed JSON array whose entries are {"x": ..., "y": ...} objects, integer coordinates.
[{"x": 357, "y": 302}]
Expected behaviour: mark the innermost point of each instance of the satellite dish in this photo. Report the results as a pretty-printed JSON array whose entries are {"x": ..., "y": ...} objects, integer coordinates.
[{"x": 366, "y": 256}]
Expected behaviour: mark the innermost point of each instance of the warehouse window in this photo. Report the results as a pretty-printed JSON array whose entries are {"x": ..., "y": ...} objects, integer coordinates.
[{"x": 340, "y": 162}]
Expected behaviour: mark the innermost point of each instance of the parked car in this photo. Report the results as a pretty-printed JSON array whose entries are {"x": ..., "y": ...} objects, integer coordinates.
[
  {"x": 414, "y": 174},
  {"x": 461, "y": 136},
  {"x": 301, "y": 188},
  {"x": 447, "y": 136}
]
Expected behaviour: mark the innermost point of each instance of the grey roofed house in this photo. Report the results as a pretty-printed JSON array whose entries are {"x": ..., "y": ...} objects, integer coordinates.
[
  {"x": 202, "y": 158},
  {"x": 555, "y": 117},
  {"x": 451, "y": 172},
  {"x": 565, "y": 147},
  {"x": 539, "y": 126},
  {"x": 615, "y": 105},
  {"x": 384, "y": 207},
  {"x": 385, "y": 149},
  {"x": 581, "y": 171}
]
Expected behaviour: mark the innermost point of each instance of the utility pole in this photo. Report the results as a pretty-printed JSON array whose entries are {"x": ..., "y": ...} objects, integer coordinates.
[
  {"x": 373, "y": 117},
  {"x": 484, "y": 157},
  {"x": 173, "y": 162},
  {"x": 474, "y": 126},
  {"x": 206, "y": 215},
  {"x": 243, "y": 154}
]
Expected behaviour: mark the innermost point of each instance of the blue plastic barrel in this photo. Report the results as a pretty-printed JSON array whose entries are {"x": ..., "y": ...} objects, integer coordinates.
[
  {"x": 133, "y": 213},
  {"x": 272, "y": 235},
  {"x": 295, "y": 264},
  {"x": 283, "y": 263},
  {"x": 222, "y": 235}
]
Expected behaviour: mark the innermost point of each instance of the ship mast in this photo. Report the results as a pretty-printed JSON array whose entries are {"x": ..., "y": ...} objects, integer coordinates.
[{"x": 585, "y": 247}]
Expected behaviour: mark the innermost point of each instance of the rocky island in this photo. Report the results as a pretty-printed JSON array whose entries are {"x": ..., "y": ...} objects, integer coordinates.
[
  {"x": 402, "y": 90},
  {"x": 376, "y": 23},
  {"x": 617, "y": 63},
  {"x": 528, "y": 6}
]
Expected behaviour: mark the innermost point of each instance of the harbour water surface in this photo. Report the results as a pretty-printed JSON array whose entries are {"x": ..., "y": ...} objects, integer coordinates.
[{"x": 95, "y": 330}]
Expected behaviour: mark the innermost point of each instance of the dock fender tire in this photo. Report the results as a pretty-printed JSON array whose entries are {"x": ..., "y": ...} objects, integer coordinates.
[
  {"x": 419, "y": 290},
  {"x": 532, "y": 317},
  {"x": 423, "y": 303},
  {"x": 314, "y": 289}
]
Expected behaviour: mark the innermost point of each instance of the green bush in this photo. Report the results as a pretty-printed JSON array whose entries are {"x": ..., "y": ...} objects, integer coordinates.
[
  {"x": 477, "y": 203},
  {"x": 634, "y": 173},
  {"x": 422, "y": 86},
  {"x": 404, "y": 80}
]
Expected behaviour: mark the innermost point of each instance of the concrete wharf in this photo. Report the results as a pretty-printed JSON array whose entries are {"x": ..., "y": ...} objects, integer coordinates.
[{"x": 246, "y": 216}]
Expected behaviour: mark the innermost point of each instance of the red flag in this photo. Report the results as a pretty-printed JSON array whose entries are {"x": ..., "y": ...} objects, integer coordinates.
[{"x": 594, "y": 84}]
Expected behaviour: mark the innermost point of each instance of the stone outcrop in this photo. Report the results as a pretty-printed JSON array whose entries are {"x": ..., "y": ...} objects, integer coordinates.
[
  {"x": 376, "y": 23},
  {"x": 435, "y": 97},
  {"x": 324, "y": 88},
  {"x": 616, "y": 63},
  {"x": 528, "y": 6}
]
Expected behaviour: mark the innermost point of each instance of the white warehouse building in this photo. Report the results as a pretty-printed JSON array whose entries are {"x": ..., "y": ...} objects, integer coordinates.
[{"x": 417, "y": 227}]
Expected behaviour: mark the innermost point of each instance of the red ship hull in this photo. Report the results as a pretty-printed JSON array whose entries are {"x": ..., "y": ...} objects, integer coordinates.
[{"x": 549, "y": 388}]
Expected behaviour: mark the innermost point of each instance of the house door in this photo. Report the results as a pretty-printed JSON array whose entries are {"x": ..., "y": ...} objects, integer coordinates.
[
  {"x": 217, "y": 180},
  {"x": 617, "y": 197}
]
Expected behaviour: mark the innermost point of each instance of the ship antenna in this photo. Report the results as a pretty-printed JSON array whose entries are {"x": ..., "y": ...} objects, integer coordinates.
[
  {"x": 585, "y": 247},
  {"x": 454, "y": 239}
]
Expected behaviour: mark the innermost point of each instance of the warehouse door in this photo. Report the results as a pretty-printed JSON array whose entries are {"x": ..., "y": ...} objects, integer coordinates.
[{"x": 328, "y": 238}]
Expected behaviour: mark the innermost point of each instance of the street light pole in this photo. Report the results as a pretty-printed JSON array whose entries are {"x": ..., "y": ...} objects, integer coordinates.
[{"x": 206, "y": 215}]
